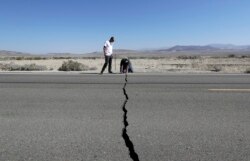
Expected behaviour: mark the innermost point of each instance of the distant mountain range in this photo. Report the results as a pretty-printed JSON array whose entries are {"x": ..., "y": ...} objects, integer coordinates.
[
  {"x": 206, "y": 48},
  {"x": 231, "y": 46},
  {"x": 189, "y": 48},
  {"x": 13, "y": 53},
  {"x": 178, "y": 49}
]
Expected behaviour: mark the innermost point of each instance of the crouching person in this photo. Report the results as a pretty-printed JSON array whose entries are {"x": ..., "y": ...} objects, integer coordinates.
[{"x": 126, "y": 66}]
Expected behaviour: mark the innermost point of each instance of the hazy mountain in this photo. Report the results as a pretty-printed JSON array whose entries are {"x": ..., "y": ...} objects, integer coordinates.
[
  {"x": 179, "y": 48},
  {"x": 230, "y": 46},
  {"x": 211, "y": 49},
  {"x": 12, "y": 53},
  {"x": 124, "y": 51}
]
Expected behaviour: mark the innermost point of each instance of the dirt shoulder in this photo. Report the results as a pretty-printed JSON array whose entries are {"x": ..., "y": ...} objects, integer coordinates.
[{"x": 176, "y": 64}]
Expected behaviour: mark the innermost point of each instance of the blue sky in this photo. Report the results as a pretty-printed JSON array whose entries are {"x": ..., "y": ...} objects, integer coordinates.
[{"x": 80, "y": 26}]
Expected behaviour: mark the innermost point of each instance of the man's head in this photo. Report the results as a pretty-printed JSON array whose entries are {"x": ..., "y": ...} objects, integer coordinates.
[{"x": 112, "y": 39}]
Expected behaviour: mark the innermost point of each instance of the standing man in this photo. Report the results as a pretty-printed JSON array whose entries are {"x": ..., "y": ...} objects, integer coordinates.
[{"x": 108, "y": 51}]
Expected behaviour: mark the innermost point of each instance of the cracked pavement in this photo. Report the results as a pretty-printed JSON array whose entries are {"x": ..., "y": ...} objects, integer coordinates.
[
  {"x": 54, "y": 117},
  {"x": 128, "y": 142}
]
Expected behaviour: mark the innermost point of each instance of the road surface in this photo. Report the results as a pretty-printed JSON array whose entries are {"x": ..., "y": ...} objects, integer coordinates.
[{"x": 80, "y": 117}]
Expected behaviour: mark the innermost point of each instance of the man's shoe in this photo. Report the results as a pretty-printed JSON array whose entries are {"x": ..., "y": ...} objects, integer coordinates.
[{"x": 110, "y": 72}]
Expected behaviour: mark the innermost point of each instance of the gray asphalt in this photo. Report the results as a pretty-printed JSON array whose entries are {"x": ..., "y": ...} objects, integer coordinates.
[{"x": 79, "y": 117}]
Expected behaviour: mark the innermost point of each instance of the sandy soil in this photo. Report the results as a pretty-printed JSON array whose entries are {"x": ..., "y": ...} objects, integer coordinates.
[{"x": 168, "y": 64}]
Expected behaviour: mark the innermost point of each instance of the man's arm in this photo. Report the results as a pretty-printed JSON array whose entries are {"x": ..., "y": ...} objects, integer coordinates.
[{"x": 104, "y": 50}]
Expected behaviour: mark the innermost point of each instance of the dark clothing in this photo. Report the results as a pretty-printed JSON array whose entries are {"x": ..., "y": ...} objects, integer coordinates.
[
  {"x": 126, "y": 66},
  {"x": 108, "y": 61}
]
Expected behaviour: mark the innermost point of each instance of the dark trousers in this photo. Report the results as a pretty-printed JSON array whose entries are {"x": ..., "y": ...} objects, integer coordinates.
[{"x": 108, "y": 60}]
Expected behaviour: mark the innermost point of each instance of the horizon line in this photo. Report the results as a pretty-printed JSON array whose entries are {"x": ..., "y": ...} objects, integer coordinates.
[{"x": 130, "y": 49}]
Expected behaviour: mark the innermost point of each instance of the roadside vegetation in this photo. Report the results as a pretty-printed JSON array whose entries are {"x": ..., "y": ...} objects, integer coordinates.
[
  {"x": 224, "y": 63},
  {"x": 28, "y": 58},
  {"x": 26, "y": 67},
  {"x": 216, "y": 68},
  {"x": 247, "y": 71},
  {"x": 71, "y": 65},
  {"x": 231, "y": 56},
  {"x": 188, "y": 57}
]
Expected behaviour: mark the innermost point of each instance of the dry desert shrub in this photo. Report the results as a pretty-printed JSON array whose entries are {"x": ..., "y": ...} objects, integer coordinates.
[
  {"x": 247, "y": 71},
  {"x": 188, "y": 57},
  {"x": 231, "y": 56},
  {"x": 26, "y": 67},
  {"x": 71, "y": 65},
  {"x": 26, "y": 58},
  {"x": 214, "y": 67},
  {"x": 35, "y": 58},
  {"x": 19, "y": 58},
  {"x": 245, "y": 56},
  {"x": 31, "y": 58},
  {"x": 62, "y": 57}
]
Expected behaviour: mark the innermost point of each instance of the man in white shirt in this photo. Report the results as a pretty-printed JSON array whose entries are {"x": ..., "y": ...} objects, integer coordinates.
[{"x": 108, "y": 51}]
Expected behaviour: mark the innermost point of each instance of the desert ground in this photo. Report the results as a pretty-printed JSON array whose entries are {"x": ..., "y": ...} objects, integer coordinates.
[{"x": 182, "y": 64}]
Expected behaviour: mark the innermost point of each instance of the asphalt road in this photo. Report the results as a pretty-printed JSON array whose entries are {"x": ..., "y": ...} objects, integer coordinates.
[{"x": 80, "y": 117}]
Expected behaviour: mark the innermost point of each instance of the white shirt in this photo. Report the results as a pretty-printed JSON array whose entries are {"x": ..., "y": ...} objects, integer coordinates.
[{"x": 108, "y": 48}]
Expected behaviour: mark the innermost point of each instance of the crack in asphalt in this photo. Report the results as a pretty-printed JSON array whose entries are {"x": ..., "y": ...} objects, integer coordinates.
[{"x": 128, "y": 142}]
